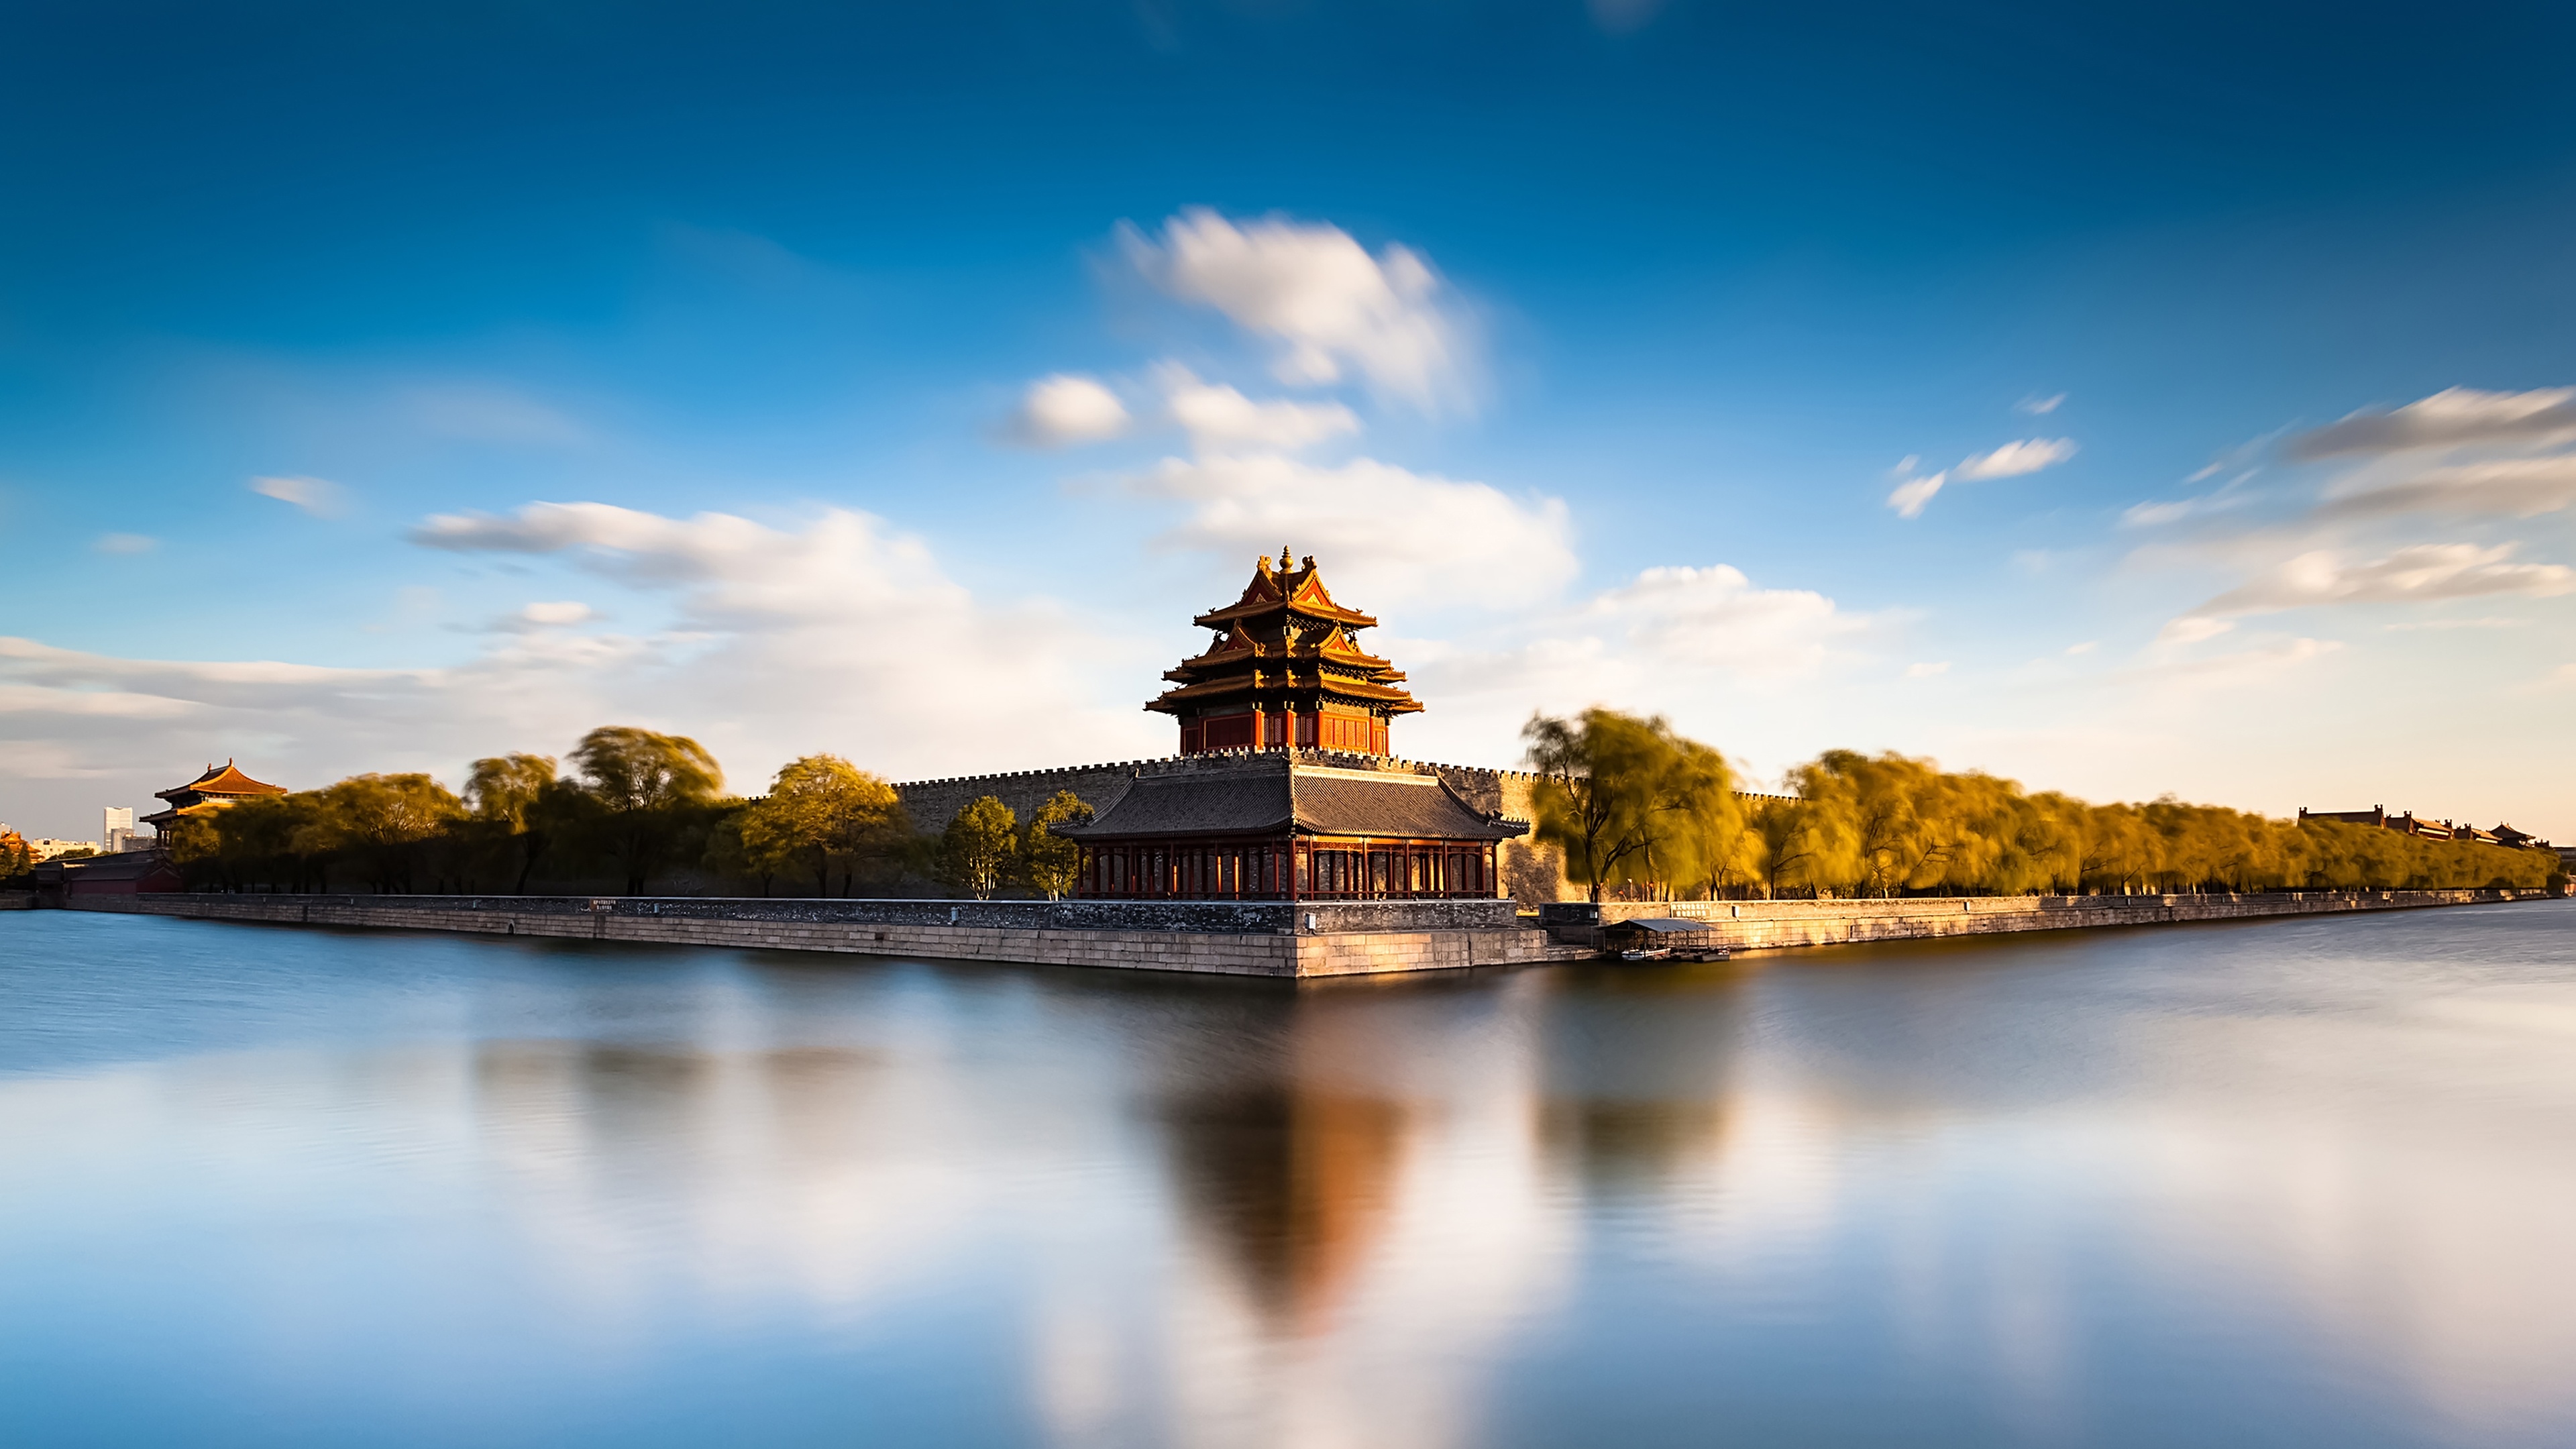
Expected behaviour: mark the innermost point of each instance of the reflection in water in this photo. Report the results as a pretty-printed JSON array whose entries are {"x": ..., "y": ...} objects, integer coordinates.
[
  {"x": 1293, "y": 1184},
  {"x": 2301, "y": 1182}
]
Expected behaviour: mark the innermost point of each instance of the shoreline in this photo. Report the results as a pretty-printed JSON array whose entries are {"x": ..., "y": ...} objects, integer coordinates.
[{"x": 1279, "y": 939}]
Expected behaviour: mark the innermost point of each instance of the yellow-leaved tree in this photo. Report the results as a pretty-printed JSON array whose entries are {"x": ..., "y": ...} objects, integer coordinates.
[
  {"x": 823, "y": 813},
  {"x": 1051, "y": 861},
  {"x": 977, "y": 849}
]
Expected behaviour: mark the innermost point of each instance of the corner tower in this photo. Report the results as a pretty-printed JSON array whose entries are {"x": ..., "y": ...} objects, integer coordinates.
[{"x": 1284, "y": 672}]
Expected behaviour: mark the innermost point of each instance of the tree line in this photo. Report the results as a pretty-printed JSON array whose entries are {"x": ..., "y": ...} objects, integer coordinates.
[
  {"x": 1640, "y": 811},
  {"x": 625, "y": 807}
]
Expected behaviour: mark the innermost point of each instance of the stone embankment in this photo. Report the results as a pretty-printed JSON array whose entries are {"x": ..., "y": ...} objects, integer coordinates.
[
  {"x": 1770, "y": 925},
  {"x": 1248, "y": 938}
]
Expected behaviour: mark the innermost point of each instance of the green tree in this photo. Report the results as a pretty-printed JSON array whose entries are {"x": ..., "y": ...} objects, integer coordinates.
[
  {"x": 1053, "y": 861},
  {"x": 510, "y": 794},
  {"x": 820, "y": 812},
  {"x": 650, "y": 791},
  {"x": 977, "y": 849}
]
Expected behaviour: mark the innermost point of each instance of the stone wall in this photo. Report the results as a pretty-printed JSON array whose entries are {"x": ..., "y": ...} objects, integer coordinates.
[
  {"x": 1768, "y": 925},
  {"x": 1532, "y": 873},
  {"x": 1208, "y": 937},
  {"x": 1251, "y": 938}
]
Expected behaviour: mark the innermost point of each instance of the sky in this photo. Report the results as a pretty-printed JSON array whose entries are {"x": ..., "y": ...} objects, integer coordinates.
[{"x": 2125, "y": 400}]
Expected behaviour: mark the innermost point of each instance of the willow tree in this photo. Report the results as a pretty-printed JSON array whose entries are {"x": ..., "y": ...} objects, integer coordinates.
[
  {"x": 385, "y": 824},
  {"x": 646, "y": 790},
  {"x": 821, "y": 812},
  {"x": 510, "y": 795},
  {"x": 1597, "y": 777}
]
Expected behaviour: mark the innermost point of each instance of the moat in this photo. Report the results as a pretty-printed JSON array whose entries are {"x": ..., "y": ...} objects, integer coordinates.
[{"x": 2285, "y": 1182}]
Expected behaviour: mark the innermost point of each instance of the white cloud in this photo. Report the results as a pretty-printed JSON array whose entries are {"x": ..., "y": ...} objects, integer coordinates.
[
  {"x": 2218, "y": 500},
  {"x": 552, "y": 614},
  {"x": 1066, "y": 408},
  {"x": 2027, "y": 455},
  {"x": 1714, "y": 617},
  {"x": 125, "y": 543},
  {"x": 2421, "y": 573},
  {"x": 2504, "y": 488},
  {"x": 2243, "y": 668},
  {"x": 1927, "y": 671},
  {"x": 2040, "y": 406},
  {"x": 2192, "y": 629},
  {"x": 1912, "y": 494},
  {"x": 837, "y": 634},
  {"x": 1909, "y": 497},
  {"x": 1386, "y": 533},
  {"x": 2087, "y": 647},
  {"x": 1219, "y": 418},
  {"x": 1317, "y": 292},
  {"x": 319, "y": 497},
  {"x": 2453, "y": 417}
]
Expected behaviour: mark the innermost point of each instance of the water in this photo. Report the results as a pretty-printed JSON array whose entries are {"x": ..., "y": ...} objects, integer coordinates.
[{"x": 2294, "y": 1183}]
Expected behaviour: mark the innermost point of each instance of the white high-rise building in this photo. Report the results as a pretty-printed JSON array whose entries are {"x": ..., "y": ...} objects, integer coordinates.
[{"x": 116, "y": 830}]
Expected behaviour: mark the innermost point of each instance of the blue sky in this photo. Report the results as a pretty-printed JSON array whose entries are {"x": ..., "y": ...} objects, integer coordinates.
[{"x": 1586, "y": 344}]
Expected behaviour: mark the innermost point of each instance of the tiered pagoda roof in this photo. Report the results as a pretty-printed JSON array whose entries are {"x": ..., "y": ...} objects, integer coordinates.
[
  {"x": 1285, "y": 648},
  {"x": 219, "y": 786}
]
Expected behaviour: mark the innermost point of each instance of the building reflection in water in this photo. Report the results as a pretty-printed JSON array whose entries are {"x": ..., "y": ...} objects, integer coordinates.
[
  {"x": 1023, "y": 1206},
  {"x": 1291, "y": 1184}
]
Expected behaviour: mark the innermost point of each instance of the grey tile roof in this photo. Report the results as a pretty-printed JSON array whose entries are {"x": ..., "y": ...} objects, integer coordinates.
[{"x": 1266, "y": 797}]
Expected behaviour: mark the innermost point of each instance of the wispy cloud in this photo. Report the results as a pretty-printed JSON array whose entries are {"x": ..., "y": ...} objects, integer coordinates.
[
  {"x": 1913, "y": 493},
  {"x": 550, "y": 614},
  {"x": 1219, "y": 418},
  {"x": 2028, "y": 455},
  {"x": 2421, "y": 573},
  {"x": 2040, "y": 406},
  {"x": 319, "y": 497},
  {"x": 482, "y": 413},
  {"x": 2155, "y": 513},
  {"x": 1927, "y": 671},
  {"x": 125, "y": 543},
  {"x": 2453, "y": 417},
  {"x": 2192, "y": 629},
  {"x": 2502, "y": 488}
]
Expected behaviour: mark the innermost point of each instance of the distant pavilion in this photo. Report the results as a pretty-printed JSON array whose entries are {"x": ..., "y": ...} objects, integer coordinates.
[
  {"x": 1285, "y": 789},
  {"x": 220, "y": 786}
]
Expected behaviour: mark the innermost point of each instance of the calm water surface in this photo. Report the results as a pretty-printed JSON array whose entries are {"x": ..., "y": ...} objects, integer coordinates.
[{"x": 2298, "y": 1183}]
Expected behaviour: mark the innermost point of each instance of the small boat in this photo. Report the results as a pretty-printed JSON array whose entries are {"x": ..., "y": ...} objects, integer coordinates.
[{"x": 1662, "y": 938}]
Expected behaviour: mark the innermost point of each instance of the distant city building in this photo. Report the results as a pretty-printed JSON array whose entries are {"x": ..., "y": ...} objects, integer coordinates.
[
  {"x": 116, "y": 831},
  {"x": 220, "y": 786},
  {"x": 45, "y": 847}
]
